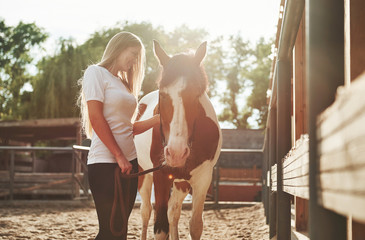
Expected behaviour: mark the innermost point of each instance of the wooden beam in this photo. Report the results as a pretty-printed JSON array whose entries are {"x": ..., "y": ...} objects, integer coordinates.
[
  {"x": 52, "y": 122},
  {"x": 341, "y": 135},
  {"x": 357, "y": 30},
  {"x": 283, "y": 145},
  {"x": 296, "y": 170},
  {"x": 325, "y": 72},
  {"x": 301, "y": 214},
  {"x": 272, "y": 171}
]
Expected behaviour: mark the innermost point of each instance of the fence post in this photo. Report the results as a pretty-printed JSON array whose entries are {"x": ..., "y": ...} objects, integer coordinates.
[
  {"x": 265, "y": 179},
  {"x": 216, "y": 183},
  {"x": 11, "y": 174},
  {"x": 325, "y": 72},
  {"x": 283, "y": 145},
  {"x": 272, "y": 161},
  {"x": 73, "y": 182}
]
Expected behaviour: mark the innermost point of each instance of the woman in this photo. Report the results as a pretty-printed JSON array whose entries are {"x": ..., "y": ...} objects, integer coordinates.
[{"x": 108, "y": 97}]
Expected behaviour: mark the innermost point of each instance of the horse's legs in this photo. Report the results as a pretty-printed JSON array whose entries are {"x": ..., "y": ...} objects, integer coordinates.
[
  {"x": 179, "y": 192},
  {"x": 146, "y": 207},
  {"x": 200, "y": 187},
  {"x": 162, "y": 188}
]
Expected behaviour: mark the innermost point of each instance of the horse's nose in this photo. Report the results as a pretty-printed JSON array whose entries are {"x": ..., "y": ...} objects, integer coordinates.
[{"x": 177, "y": 153}]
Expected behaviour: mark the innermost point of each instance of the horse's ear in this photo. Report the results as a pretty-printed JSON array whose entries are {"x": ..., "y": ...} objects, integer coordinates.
[
  {"x": 200, "y": 53},
  {"x": 161, "y": 55}
]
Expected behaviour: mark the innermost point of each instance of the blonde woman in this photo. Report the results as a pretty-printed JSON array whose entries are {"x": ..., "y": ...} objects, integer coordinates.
[{"x": 108, "y": 97}]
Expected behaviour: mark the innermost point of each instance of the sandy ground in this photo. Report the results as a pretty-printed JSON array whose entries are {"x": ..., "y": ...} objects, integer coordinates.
[{"x": 71, "y": 222}]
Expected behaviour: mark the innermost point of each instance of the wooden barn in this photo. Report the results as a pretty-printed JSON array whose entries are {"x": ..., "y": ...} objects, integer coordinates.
[
  {"x": 26, "y": 170},
  {"x": 238, "y": 171},
  {"x": 314, "y": 161}
]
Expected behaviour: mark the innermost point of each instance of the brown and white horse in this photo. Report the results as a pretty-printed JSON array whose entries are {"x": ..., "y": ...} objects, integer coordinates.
[{"x": 189, "y": 140}]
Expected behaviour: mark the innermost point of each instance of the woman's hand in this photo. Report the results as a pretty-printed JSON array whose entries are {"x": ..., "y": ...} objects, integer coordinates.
[
  {"x": 124, "y": 164},
  {"x": 157, "y": 119},
  {"x": 142, "y": 126}
]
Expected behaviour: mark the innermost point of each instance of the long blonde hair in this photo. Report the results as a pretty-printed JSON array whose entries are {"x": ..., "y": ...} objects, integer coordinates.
[{"x": 133, "y": 77}]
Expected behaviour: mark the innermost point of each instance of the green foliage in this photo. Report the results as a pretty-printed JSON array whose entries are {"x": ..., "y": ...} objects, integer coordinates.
[
  {"x": 259, "y": 75},
  {"x": 235, "y": 76},
  {"x": 15, "y": 45},
  {"x": 55, "y": 86},
  {"x": 240, "y": 67},
  {"x": 250, "y": 69}
]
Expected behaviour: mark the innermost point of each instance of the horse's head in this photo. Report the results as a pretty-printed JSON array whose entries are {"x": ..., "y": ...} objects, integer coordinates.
[{"x": 182, "y": 82}]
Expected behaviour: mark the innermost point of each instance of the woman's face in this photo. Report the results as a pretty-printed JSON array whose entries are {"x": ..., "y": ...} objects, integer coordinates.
[{"x": 127, "y": 58}]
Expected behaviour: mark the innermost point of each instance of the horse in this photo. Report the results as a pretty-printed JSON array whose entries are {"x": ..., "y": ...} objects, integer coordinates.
[{"x": 188, "y": 139}]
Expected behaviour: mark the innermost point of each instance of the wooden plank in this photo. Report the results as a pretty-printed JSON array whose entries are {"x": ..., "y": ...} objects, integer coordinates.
[
  {"x": 273, "y": 178},
  {"x": 23, "y": 168},
  {"x": 50, "y": 191},
  {"x": 344, "y": 204},
  {"x": 301, "y": 162},
  {"x": 11, "y": 175},
  {"x": 357, "y": 10},
  {"x": 299, "y": 82},
  {"x": 358, "y": 230},
  {"x": 341, "y": 134},
  {"x": 302, "y": 170},
  {"x": 240, "y": 173},
  {"x": 301, "y": 148},
  {"x": 298, "y": 191},
  {"x": 348, "y": 105},
  {"x": 301, "y": 214},
  {"x": 55, "y": 122},
  {"x": 302, "y": 181},
  {"x": 347, "y": 43},
  {"x": 347, "y": 181},
  {"x": 343, "y": 159},
  {"x": 39, "y": 186},
  {"x": 253, "y": 180},
  {"x": 36, "y": 177},
  {"x": 349, "y": 131}
]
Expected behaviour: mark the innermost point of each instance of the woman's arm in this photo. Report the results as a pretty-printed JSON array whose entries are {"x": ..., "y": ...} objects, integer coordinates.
[
  {"x": 142, "y": 126},
  {"x": 102, "y": 129}
]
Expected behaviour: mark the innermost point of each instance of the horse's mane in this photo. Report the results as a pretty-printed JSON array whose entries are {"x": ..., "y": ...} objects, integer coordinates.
[{"x": 184, "y": 65}]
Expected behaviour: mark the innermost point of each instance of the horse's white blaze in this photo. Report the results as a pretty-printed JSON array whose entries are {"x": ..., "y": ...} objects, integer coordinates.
[{"x": 178, "y": 137}]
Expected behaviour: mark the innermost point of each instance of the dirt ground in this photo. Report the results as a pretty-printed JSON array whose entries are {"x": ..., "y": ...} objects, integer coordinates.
[{"x": 44, "y": 221}]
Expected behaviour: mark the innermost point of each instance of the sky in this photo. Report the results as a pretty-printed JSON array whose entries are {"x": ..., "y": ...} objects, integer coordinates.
[{"x": 78, "y": 19}]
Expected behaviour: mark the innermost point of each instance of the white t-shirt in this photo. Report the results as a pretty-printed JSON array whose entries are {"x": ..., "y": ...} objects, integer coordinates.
[{"x": 119, "y": 106}]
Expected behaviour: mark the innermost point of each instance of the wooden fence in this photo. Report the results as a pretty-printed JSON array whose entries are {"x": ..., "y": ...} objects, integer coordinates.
[
  {"x": 326, "y": 165},
  {"x": 13, "y": 182},
  {"x": 67, "y": 183}
]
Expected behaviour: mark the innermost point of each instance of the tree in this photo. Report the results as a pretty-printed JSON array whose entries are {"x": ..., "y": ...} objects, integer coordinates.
[
  {"x": 249, "y": 69},
  {"x": 15, "y": 46},
  {"x": 55, "y": 86},
  {"x": 259, "y": 76},
  {"x": 236, "y": 77}
]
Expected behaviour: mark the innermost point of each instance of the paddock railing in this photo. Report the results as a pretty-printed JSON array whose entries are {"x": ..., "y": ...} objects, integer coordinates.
[
  {"x": 251, "y": 175},
  {"x": 44, "y": 182},
  {"x": 325, "y": 169},
  {"x": 14, "y": 182}
]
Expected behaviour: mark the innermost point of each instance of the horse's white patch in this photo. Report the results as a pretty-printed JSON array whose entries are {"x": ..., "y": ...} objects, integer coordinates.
[{"x": 143, "y": 141}]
